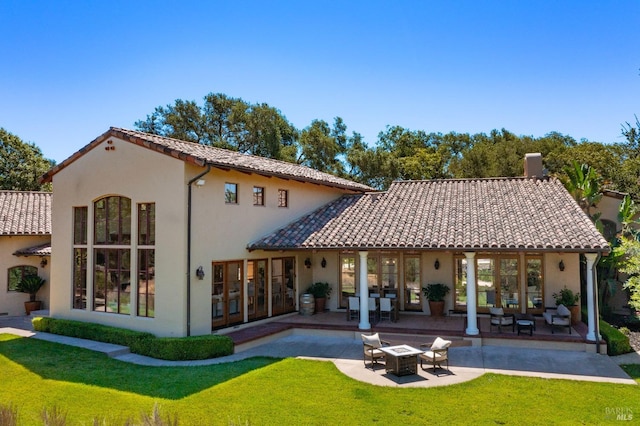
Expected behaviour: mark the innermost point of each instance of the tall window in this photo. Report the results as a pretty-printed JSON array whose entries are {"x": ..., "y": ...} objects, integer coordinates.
[
  {"x": 80, "y": 225},
  {"x": 258, "y": 196},
  {"x": 497, "y": 282},
  {"x": 535, "y": 283},
  {"x": 382, "y": 274},
  {"x": 283, "y": 285},
  {"x": 347, "y": 278},
  {"x": 17, "y": 273},
  {"x": 146, "y": 259},
  {"x": 283, "y": 198},
  {"x": 112, "y": 255},
  {"x": 80, "y": 220},
  {"x": 257, "y": 288},
  {"x": 413, "y": 293},
  {"x": 231, "y": 193}
]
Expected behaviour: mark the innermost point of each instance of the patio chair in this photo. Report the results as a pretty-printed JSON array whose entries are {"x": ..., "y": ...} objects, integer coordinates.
[
  {"x": 354, "y": 308},
  {"x": 437, "y": 354},
  {"x": 373, "y": 309},
  {"x": 559, "y": 316},
  {"x": 500, "y": 319},
  {"x": 371, "y": 347},
  {"x": 385, "y": 308}
]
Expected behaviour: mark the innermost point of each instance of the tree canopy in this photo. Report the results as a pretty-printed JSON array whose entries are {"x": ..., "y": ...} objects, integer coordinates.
[
  {"x": 398, "y": 152},
  {"x": 21, "y": 164}
]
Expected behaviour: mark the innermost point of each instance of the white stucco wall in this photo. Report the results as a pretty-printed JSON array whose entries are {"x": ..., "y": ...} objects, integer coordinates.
[
  {"x": 12, "y": 302},
  {"x": 221, "y": 231},
  {"x": 143, "y": 176}
]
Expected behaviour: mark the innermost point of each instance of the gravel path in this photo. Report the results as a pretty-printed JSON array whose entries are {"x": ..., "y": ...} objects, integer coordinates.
[{"x": 634, "y": 340}]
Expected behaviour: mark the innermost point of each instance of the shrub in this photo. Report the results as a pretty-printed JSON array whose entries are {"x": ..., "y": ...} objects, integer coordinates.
[
  {"x": 142, "y": 343},
  {"x": 617, "y": 342}
]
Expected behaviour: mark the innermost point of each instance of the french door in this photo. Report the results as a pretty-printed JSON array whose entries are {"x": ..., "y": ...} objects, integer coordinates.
[
  {"x": 257, "y": 289},
  {"x": 283, "y": 298},
  {"x": 226, "y": 294}
]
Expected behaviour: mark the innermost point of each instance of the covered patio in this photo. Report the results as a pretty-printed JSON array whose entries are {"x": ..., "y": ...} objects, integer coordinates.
[{"x": 413, "y": 329}]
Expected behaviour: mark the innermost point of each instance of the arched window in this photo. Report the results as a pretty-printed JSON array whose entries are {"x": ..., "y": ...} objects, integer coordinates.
[
  {"x": 112, "y": 255},
  {"x": 17, "y": 273}
]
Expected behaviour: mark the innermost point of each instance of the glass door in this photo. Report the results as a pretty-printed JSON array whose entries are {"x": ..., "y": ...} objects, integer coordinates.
[
  {"x": 486, "y": 283},
  {"x": 412, "y": 287},
  {"x": 283, "y": 298},
  {"x": 226, "y": 294},
  {"x": 257, "y": 288}
]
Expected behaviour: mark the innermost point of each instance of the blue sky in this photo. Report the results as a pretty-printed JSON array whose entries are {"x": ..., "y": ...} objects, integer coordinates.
[{"x": 70, "y": 70}]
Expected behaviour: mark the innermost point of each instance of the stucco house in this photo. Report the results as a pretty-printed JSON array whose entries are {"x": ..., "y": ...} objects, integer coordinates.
[
  {"x": 178, "y": 238},
  {"x": 25, "y": 244}
]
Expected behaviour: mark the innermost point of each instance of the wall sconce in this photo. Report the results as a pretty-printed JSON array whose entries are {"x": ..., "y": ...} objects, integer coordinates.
[
  {"x": 43, "y": 262},
  {"x": 561, "y": 266},
  {"x": 323, "y": 263},
  {"x": 200, "y": 272},
  {"x": 307, "y": 263},
  {"x": 436, "y": 264}
]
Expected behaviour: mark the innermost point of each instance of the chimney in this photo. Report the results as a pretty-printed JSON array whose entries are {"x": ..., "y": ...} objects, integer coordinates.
[{"x": 533, "y": 165}]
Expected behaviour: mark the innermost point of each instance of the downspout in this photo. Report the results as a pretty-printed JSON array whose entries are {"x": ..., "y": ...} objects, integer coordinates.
[
  {"x": 596, "y": 307},
  {"x": 189, "y": 247}
]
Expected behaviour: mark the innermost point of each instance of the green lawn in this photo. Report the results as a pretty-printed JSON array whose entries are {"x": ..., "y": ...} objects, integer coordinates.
[{"x": 264, "y": 391}]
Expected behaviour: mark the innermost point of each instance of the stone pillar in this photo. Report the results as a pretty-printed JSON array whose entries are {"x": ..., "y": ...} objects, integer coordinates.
[
  {"x": 472, "y": 319},
  {"x": 591, "y": 306},
  {"x": 364, "y": 293}
]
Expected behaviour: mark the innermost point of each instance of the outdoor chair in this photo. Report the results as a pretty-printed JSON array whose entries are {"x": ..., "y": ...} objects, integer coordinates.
[
  {"x": 437, "y": 354},
  {"x": 373, "y": 309},
  {"x": 371, "y": 348},
  {"x": 559, "y": 316},
  {"x": 385, "y": 308},
  {"x": 354, "y": 308},
  {"x": 500, "y": 319}
]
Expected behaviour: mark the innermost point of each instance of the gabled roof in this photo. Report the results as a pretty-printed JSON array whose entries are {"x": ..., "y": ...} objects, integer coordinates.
[
  {"x": 202, "y": 155},
  {"x": 25, "y": 213},
  {"x": 505, "y": 214}
]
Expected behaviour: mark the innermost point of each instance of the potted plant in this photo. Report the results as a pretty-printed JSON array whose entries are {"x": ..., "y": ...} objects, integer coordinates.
[
  {"x": 320, "y": 291},
  {"x": 31, "y": 284},
  {"x": 435, "y": 294},
  {"x": 569, "y": 299}
]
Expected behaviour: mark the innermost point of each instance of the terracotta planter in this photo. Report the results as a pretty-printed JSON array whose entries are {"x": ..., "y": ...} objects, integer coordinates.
[
  {"x": 32, "y": 306},
  {"x": 320, "y": 303},
  {"x": 436, "y": 308},
  {"x": 575, "y": 314}
]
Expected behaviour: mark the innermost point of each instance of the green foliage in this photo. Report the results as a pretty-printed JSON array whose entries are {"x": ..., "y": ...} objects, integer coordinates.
[
  {"x": 189, "y": 348},
  {"x": 21, "y": 164},
  {"x": 30, "y": 284},
  {"x": 617, "y": 342},
  {"x": 629, "y": 251},
  {"x": 181, "y": 348},
  {"x": 320, "y": 290},
  {"x": 225, "y": 122},
  {"x": 566, "y": 297},
  {"x": 435, "y": 292}
]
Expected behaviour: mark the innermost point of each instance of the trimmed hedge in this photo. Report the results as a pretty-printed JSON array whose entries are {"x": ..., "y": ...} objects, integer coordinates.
[
  {"x": 142, "y": 343},
  {"x": 617, "y": 342}
]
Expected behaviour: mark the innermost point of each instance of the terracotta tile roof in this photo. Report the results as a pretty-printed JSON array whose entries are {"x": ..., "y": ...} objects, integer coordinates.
[
  {"x": 41, "y": 250},
  {"x": 25, "y": 213},
  {"x": 203, "y": 155},
  {"x": 472, "y": 214}
]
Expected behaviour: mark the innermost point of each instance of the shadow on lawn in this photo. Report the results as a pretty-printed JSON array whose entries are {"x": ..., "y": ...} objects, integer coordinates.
[{"x": 54, "y": 361}]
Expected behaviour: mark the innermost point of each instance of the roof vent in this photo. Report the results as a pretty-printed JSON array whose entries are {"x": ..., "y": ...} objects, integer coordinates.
[{"x": 533, "y": 165}]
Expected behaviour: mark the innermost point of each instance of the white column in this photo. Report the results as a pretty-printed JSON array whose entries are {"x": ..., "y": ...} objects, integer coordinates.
[
  {"x": 591, "y": 306},
  {"x": 364, "y": 293},
  {"x": 472, "y": 319}
]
